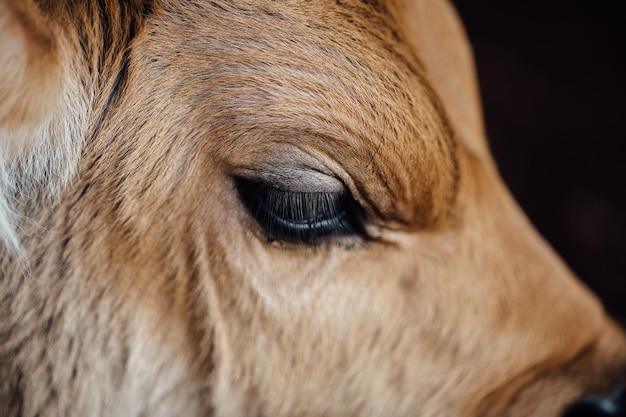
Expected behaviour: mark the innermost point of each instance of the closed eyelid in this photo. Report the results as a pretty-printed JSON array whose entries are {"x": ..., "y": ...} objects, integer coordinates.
[{"x": 299, "y": 216}]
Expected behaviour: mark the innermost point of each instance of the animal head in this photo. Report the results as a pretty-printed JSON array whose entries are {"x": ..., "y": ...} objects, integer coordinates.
[{"x": 270, "y": 208}]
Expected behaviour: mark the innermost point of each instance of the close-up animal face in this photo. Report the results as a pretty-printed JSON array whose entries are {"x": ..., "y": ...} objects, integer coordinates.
[{"x": 242, "y": 208}]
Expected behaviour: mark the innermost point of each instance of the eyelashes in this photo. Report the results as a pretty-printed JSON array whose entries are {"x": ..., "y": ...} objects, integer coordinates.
[{"x": 297, "y": 216}]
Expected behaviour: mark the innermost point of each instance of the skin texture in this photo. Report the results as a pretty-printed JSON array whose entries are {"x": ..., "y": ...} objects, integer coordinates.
[{"x": 135, "y": 282}]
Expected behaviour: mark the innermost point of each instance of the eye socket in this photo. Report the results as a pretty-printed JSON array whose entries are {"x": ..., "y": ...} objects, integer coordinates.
[{"x": 300, "y": 216}]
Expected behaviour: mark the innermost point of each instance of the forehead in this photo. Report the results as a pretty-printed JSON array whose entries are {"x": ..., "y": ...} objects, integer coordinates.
[{"x": 331, "y": 78}]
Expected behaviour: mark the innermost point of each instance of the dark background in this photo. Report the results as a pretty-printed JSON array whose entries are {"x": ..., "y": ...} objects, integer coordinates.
[{"x": 553, "y": 83}]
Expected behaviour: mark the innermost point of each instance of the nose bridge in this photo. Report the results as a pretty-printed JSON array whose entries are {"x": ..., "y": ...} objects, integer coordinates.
[
  {"x": 506, "y": 249},
  {"x": 559, "y": 328}
]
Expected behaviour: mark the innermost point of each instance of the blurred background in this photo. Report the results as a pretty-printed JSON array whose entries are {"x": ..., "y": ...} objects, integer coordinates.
[{"x": 553, "y": 83}]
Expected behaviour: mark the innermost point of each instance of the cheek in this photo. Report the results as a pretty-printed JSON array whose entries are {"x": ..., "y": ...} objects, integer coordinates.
[
  {"x": 329, "y": 323},
  {"x": 343, "y": 299}
]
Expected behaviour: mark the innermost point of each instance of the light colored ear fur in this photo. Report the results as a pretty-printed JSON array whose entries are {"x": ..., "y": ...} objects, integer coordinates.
[
  {"x": 433, "y": 28},
  {"x": 43, "y": 114},
  {"x": 30, "y": 78}
]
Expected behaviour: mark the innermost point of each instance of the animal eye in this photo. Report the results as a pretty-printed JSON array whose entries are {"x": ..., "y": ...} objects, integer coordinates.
[{"x": 300, "y": 216}]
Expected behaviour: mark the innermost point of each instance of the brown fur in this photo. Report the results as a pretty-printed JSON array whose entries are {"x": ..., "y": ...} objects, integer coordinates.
[{"x": 149, "y": 289}]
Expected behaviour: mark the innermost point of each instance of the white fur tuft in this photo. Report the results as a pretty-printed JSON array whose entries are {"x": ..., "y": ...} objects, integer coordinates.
[{"x": 39, "y": 161}]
